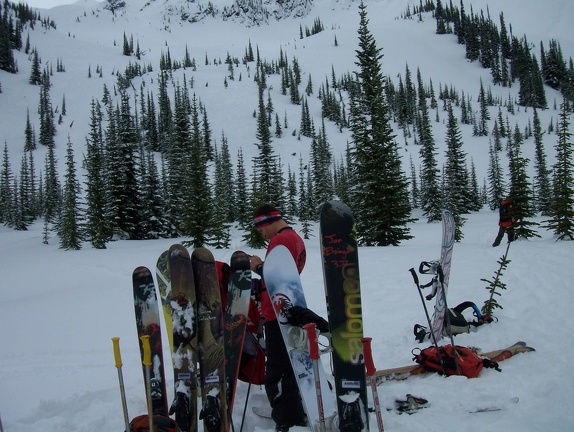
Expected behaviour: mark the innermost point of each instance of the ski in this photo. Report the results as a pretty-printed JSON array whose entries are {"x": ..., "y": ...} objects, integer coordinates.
[
  {"x": 343, "y": 293},
  {"x": 184, "y": 343},
  {"x": 164, "y": 286},
  {"x": 448, "y": 234},
  {"x": 235, "y": 319},
  {"x": 284, "y": 287},
  {"x": 148, "y": 323},
  {"x": 211, "y": 353},
  {"x": 401, "y": 373}
]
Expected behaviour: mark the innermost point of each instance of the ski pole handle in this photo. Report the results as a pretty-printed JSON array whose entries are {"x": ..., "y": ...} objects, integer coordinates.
[
  {"x": 118, "y": 362},
  {"x": 368, "y": 353},
  {"x": 146, "y": 350},
  {"x": 415, "y": 276},
  {"x": 117, "y": 354},
  {"x": 147, "y": 363},
  {"x": 313, "y": 342}
]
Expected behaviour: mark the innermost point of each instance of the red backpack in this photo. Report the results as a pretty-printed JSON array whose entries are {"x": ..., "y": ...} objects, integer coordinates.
[
  {"x": 469, "y": 363},
  {"x": 161, "y": 423}
]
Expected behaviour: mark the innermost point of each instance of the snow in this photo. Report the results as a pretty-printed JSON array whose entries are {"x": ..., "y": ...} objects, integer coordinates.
[{"x": 60, "y": 309}]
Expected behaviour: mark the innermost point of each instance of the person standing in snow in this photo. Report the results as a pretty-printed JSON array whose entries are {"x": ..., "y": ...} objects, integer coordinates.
[
  {"x": 280, "y": 382},
  {"x": 505, "y": 222}
]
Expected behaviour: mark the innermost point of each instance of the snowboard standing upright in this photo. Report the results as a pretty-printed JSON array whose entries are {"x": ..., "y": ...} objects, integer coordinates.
[
  {"x": 448, "y": 234},
  {"x": 148, "y": 323},
  {"x": 343, "y": 293},
  {"x": 185, "y": 335},
  {"x": 235, "y": 319},
  {"x": 284, "y": 287},
  {"x": 211, "y": 354}
]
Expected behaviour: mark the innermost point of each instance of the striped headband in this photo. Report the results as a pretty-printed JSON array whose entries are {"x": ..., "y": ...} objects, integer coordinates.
[{"x": 267, "y": 218}]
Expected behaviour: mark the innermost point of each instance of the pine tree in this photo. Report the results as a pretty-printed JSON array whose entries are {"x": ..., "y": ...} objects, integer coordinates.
[
  {"x": 195, "y": 213},
  {"x": 520, "y": 188},
  {"x": 562, "y": 210},
  {"x": 430, "y": 195},
  {"x": 25, "y": 196},
  {"x": 541, "y": 183},
  {"x": 97, "y": 217},
  {"x": 495, "y": 179},
  {"x": 321, "y": 156},
  {"x": 455, "y": 174},
  {"x": 6, "y": 192},
  {"x": 69, "y": 222},
  {"x": 382, "y": 205},
  {"x": 52, "y": 191}
]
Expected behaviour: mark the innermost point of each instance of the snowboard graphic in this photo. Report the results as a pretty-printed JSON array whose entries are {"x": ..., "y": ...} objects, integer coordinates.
[
  {"x": 343, "y": 293},
  {"x": 284, "y": 287},
  {"x": 148, "y": 323},
  {"x": 211, "y": 354}
]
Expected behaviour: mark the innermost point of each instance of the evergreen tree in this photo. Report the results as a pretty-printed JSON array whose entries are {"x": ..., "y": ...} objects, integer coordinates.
[
  {"x": 520, "y": 188},
  {"x": 69, "y": 224},
  {"x": 97, "y": 218},
  {"x": 6, "y": 192},
  {"x": 241, "y": 193},
  {"x": 152, "y": 197},
  {"x": 562, "y": 210},
  {"x": 541, "y": 183},
  {"x": 382, "y": 205},
  {"x": 52, "y": 190},
  {"x": 430, "y": 195},
  {"x": 35, "y": 72},
  {"x": 196, "y": 215},
  {"x": 495, "y": 179},
  {"x": 484, "y": 115},
  {"x": 455, "y": 174},
  {"x": 25, "y": 212},
  {"x": 321, "y": 156}
]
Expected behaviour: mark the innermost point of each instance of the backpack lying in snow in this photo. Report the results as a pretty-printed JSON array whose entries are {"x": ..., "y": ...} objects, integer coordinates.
[
  {"x": 458, "y": 323},
  {"x": 161, "y": 423},
  {"x": 469, "y": 363}
]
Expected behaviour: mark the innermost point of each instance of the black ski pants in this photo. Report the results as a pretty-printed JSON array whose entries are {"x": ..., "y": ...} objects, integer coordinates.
[{"x": 280, "y": 383}]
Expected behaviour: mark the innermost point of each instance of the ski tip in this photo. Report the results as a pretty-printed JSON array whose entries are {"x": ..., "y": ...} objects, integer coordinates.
[
  {"x": 239, "y": 260},
  {"x": 178, "y": 249},
  {"x": 141, "y": 271},
  {"x": 202, "y": 254},
  {"x": 523, "y": 346}
]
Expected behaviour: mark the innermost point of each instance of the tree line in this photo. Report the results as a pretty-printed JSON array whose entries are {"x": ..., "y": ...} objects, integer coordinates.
[{"x": 153, "y": 169}]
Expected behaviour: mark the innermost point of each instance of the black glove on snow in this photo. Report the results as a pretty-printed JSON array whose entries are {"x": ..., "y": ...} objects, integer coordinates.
[{"x": 299, "y": 316}]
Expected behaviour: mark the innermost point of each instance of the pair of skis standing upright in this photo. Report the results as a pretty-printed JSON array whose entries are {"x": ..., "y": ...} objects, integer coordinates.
[{"x": 201, "y": 332}]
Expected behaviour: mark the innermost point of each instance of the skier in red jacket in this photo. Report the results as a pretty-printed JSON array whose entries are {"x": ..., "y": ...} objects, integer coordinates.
[{"x": 280, "y": 382}]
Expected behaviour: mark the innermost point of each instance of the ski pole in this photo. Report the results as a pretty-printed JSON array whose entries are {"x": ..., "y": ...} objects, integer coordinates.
[
  {"x": 147, "y": 363},
  {"x": 314, "y": 355},
  {"x": 118, "y": 360},
  {"x": 416, "y": 279},
  {"x": 371, "y": 376},
  {"x": 259, "y": 335}
]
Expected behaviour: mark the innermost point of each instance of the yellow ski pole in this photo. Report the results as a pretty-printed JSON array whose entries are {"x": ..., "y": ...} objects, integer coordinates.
[
  {"x": 118, "y": 360},
  {"x": 147, "y": 364}
]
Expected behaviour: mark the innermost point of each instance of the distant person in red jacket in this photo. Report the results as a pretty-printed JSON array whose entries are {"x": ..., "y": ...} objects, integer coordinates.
[
  {"x": 505, "y": 222},
  {"x": 280, "y": 382}
]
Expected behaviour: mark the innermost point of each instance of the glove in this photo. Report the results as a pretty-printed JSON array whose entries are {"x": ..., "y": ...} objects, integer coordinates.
[{"x": 299, "y": 316}]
